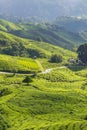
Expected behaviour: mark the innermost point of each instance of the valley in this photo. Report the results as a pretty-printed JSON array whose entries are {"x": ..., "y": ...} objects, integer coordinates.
[{"x": 42, "y": 84}]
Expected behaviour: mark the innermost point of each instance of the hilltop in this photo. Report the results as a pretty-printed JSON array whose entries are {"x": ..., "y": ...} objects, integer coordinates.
[{"x": 46, "y": 32}]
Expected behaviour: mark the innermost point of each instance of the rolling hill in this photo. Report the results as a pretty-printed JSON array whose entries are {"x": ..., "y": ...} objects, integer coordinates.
[
  {"x": 16, "y": 46},
  {"x": 53, "y": 101},
  {"x": 56, "y": 99},
  {"x": 50, "y": 33},
  {"x": 18, "y": 64},
  {"x": 9, "y": 43}
]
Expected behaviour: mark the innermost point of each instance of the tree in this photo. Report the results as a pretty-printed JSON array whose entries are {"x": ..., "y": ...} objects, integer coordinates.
[
  {"x": 27, "y": 80},
  {"x": 82, "y": 53},
  {"x": 39, "y": 39},
  {"x": 35, "y": 53},
  {"x": 56, "y": 58}
]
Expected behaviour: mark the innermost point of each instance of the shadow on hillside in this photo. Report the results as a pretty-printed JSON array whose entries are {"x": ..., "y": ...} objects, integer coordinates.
[{"x": 77, "y": 67}]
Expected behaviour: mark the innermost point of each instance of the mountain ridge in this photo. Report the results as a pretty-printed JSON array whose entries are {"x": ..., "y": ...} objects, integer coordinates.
[
  {"x": 46, "y": 9},
  {"x": 51, "y": 33}
]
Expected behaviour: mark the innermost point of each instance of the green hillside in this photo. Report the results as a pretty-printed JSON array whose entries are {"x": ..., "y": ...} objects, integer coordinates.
[
  {"x": 8, "y": 26},
  {"x": 13, "y": 45},
  {"x": 52, "y": 101},
  {"x": 53, "y": 34},
  {"x": 16, "y": 46},
  {"x": 17, "y": 64},
  {"x": 56, "y": 99}
]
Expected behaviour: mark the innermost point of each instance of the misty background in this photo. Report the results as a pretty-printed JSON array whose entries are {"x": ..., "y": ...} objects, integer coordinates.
[{"x": 47, "y": 9}]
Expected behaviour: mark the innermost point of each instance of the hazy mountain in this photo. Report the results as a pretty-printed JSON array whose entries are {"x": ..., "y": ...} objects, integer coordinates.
[
  {"x": 72, "y": 24},
  {"x": 50, "y": 33},
  {"x": 48, "y": 9}
]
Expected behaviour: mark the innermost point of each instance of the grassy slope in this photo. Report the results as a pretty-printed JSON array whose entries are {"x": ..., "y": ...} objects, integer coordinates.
[
  {"x": 17, "y": 64},
  {"x": 52, "y": 101},
  {"x": 8, "y": 26},
  {"x": 49, "y": 33},
  {"x": 45, "y": 48},
  {"x": 55, "y": 101}
]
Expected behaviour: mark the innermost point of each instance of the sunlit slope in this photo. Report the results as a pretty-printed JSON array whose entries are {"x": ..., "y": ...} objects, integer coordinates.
[
  {"x": 8, "y": 40},
  {"x": 50, "y": 33},
  {"x": 46, "y": 103},
  {"x": 18, "y": 64},
  {"x": 8, "y": 26}
]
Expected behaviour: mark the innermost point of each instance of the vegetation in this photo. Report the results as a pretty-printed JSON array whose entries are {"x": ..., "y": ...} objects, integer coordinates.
[
  {"x": 56, "y": 58},
  {"x": 57, "y": 102},
  {"x": 27, "y": 80},
  {"x": 38, "y": 94},
  {"x": 51, "y": 33},
  {"x": 32, "y": 49},
  {"x": 17, "y": 64},
  {"x": 82, "y": 53}
]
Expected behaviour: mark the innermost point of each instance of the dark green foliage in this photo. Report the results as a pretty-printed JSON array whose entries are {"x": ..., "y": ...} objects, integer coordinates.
[
  {"x": 18, "y": 49},
  {"x": 85, "y": 118},
  {"x": 56, "y": 58},
  {"x": 82, "y": 53},
  {"x": 4, "y": 92},
  {"x": 39, "y": 39},
  {"x": 15, "y": 50},
  {"x": 3, "y": 123},
  {"x": 34, "y": 53},
  {"x": 27, "y": 80},
  {"x": 3, "y": 42}
]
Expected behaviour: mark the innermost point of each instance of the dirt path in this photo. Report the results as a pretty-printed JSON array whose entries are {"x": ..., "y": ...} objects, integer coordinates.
[
  {"x": 49, "y": 70},
  {"x": 41, "y": 68},
  {"x": 39, "y": 64}
]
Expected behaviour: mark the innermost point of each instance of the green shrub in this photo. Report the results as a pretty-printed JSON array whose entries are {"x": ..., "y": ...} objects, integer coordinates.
[
  {"x": 27, "y": 80},
  {"x": 5, "y": 91},
  {"x": 56, "y": 58},
  {"x": 82, "y": 53}
]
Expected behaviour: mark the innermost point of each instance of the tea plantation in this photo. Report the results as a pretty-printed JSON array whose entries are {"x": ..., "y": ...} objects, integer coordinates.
[
  {"x": 18, "y": 64},
  {"x": 36, "y": 93},
  {"x": 53, "y": 101}
]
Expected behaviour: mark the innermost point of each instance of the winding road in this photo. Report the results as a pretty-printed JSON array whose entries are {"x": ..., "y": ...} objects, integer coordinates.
[
  {"x": 49, "y": 70},
  {"x": 43, "y": 72}
]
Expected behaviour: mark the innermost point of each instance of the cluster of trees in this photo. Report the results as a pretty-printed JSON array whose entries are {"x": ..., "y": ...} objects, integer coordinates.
[
  {"x": 82, "y": 53},
  {"x": 4, "y": 92},
  {"x": 15, "y": 49},
  {"x": 19, "y": 49},
  {"x": 56, "y": 58},
  {"x": 35, "y": 53}
]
